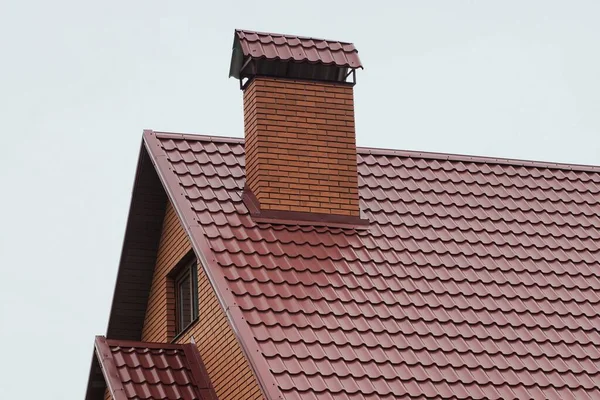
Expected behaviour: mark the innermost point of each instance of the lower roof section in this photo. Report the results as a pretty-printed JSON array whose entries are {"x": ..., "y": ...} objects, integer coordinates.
[{"x": 142, "y": 370}]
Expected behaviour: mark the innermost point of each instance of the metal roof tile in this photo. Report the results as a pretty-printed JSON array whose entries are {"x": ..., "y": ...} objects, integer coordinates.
[
  {"x": 153, "y": 370},
  {"x": 274, "y": 46},
  {"x": 476, "y": 277}
]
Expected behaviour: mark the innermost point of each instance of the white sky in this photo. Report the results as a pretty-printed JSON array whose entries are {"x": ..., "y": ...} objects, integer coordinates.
[{"x": 80, "y": 80}]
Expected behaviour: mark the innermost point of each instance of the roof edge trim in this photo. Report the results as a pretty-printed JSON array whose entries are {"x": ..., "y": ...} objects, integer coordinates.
[
  {"x": 476, "y": 159},
  {"x": 213, "y": 272},
  {"x": 194, "y": 136},
  {"x": 109, "y": 369},
  {"x": 135, "y": 343},
  {"x": 299, "y": 218}
]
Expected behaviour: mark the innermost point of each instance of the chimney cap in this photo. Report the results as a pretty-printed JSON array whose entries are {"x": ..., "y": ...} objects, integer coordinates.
[{"x": 274, "y": 54}]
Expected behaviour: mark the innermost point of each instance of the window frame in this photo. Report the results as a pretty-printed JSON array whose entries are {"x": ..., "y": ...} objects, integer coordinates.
[{"x": 188, "y": 271}]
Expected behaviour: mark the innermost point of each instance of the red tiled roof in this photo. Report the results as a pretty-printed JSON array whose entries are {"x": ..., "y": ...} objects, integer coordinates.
[
  {"x": 476, "y": 278},
  {"x": 140, "y": 370},
  {"x": 274, "y": 46}
]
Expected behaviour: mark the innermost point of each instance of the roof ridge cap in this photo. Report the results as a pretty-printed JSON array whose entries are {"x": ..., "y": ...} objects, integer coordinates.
[
  {"x": 432, "y": 155},
  {"x": 198, "y": 137},
  {"x": 143, "y": 344},
  {"x": 477, "y": 159}
]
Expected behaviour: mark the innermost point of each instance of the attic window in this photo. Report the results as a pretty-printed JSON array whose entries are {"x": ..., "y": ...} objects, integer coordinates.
[{"x": 186, "y": 296}]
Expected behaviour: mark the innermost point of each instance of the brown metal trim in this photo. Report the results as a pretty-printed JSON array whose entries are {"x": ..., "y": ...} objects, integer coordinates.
[
  {"x": 199, "y": 373},
  {"x": 199, "y": 137},
  {"x": 476, "y": 159},
  {"x": 109, "y": 369},
  {"x": 299, "y": 218},
  {"x": 245, "y": 85},
  {"x": 250, "y": 201},
  {"x": 248, "y": 60},
  {"x": 213, "y": 271},
  {"x": 135, "y": 343}
]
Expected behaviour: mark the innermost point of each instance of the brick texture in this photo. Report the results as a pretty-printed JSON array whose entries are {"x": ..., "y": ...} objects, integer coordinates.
[
  {"x": 159, "y": 324},
  {"x": 227, "y": 367},
  {"x": 301, "y": 146}
]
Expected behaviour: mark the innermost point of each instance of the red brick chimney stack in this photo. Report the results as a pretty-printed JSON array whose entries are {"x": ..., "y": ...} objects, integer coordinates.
[{"x": 299, "y": 127}]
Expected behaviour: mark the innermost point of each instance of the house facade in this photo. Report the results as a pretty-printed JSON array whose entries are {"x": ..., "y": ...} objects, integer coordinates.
[{"x": 293, "y": 265}]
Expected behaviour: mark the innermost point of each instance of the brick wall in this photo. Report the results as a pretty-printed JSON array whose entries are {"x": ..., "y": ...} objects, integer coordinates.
[
  {"x": 301, "y": 146},
  {"x": 227, "y": 367},
  {"x": 159, "y": 323}
]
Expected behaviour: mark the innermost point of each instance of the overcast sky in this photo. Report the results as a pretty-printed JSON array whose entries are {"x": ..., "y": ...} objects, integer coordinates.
[{"x": 80, "y": 80}]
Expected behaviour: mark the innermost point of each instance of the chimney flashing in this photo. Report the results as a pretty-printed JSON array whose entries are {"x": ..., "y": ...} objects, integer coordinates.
[
  {"x": 300, "y": 218},
  {"x": 249, "y": 80}
]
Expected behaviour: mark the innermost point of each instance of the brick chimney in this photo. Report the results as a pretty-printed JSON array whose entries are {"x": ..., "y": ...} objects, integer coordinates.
[{"x": 299, "y": 128}]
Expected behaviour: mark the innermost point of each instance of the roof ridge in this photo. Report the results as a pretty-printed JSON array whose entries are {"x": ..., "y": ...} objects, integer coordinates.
[
  {"x": 198, "y": 137},
  {"x": 413, "y": 154},
  {"x": 478, "y": 159},
  {"x": 140, "y": 344}
]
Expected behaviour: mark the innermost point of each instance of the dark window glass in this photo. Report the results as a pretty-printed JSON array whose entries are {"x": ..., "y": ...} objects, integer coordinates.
[{"x": 186, "y": 296}]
